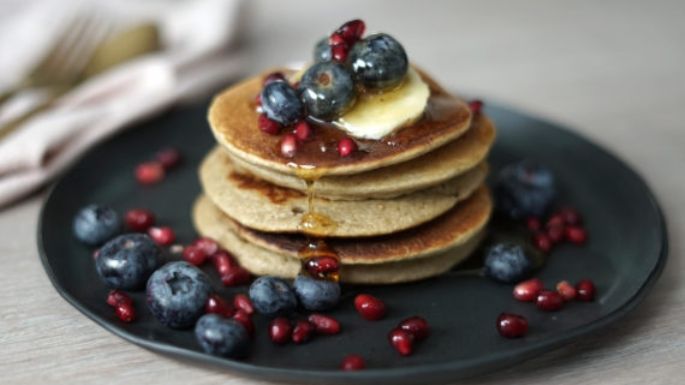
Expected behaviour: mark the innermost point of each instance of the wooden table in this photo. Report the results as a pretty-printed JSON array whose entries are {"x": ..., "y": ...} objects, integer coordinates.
[{"x": 611, "y": 69}]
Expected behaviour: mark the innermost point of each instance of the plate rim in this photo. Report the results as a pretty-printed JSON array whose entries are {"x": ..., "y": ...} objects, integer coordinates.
[{"x": 423, "y": 373}]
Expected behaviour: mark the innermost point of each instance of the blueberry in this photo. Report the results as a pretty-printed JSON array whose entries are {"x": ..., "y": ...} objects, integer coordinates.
[
  {"x": 507, "y": 262},
  {"x": 272, "y": 296},
  {"x": 379, "y": 61},
  {"x": 281, "y": 103},
  {"x": 327, "y": 90},
  {"x": 127, "y": 261},
  {"x": 222, "y": 336},
  {"x": 316, "y": 294},
  {"x": 95, "y": 224},
  {"x": 177, "y": 293},
  {"x": 322, "y": 50},
  {"x": 524, "y": 189}
]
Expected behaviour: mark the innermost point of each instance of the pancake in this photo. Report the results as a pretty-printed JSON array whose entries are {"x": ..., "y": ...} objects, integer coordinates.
[
  {"x": 430, "y": 169},
  {"x": 233, "y": 120},
  {"x": 266, "y": 207},
  {"x": 210, "y": 222},
  {"x": 451, "y": 229}
]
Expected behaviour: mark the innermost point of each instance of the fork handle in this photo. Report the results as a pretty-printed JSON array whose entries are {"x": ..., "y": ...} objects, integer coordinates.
[{"x": 13, "y": 124}]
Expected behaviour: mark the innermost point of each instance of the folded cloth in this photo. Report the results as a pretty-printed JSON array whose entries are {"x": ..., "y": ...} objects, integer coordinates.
[{"x": 196, "y": 37}]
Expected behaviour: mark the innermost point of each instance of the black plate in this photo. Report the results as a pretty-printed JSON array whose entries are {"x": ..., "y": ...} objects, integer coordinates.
[{"x": 624, "y": 256}]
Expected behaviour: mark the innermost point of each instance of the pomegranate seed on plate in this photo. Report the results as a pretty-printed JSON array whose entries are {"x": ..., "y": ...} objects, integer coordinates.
[
  {"x": 207, "y": 244},
  {"x": 570, "y": 216},
  {"x": 353, "y": 362},
  {"x": 280, "y": 330},
  {"x": 163, "y": 236},
  {"x": 243, "y": 302},
  {"x": 542, "y": 242},
  {"x": 476, "y": 106},
  {"x": 116, "y": 297},
  {"x": 346, "y": 147},
  {"x": 302, "y": 332},
  {"x": 139, "y": 219},
  {"x": 555, "y": 233},
  {"x": 567, "y": 291},
  {"x": 512, "y": 325},
  {"x": 149, "y": 173},
  {"x": 168, "y": 158},
  {"x": 217, "y": 305},
  {"x": 586, "y": 290},
  {"x": 576, "y": 235},
  {"x": 527, "y": 291},
  {"x": 402, "y": 341},
  {"x": 303, "y": 130},
  {"x": 268, "y": 126},
  {"x": 369, "y": 307},
  {"x": 324, "y": 324},
  {"x": 125, "y": 312},
  {"x": 223, "y": 262},
  {"x": 417, "y": 326},
  {"x": 236, "y": 276},
  {"x": 244, "y": 320},
  {"x": 549, "y": 300},
  {"x": 322, "y": 266},
  {"x": 289, "y": 145},
  {"x": 194, "y": 255}
]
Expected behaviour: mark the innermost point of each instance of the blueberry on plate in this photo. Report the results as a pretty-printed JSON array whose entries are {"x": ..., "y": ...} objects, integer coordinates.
[
  {"x": 127, "y": 261},
  {"x": 177, "y": 293},
  {"x": 272, "y": 296},
  {"x": 327, "y": 89},
  {"x": 507, "y": 262},
  {"x": 221, "y": 336},
  {"x": 379, "y": 61},
  {"x": 322, "y": 50},
  {"x": 524, "y": 189},
  {"x": 316, "y": 294},
  {"x": 96, "y": 224},
  {"x": 281, "y": 103}
]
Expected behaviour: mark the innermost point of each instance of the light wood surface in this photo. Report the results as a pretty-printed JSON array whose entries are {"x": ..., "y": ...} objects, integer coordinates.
[{"x": 613, "y": 70}]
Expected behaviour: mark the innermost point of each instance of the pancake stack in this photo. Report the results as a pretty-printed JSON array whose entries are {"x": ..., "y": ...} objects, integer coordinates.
[{"x": 406, "y": 207}]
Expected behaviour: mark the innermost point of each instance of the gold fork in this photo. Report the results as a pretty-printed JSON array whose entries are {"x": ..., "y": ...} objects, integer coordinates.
[{"x": 63, "y": 66}]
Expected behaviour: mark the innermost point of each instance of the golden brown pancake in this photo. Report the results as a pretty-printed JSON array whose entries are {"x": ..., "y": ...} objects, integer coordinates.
[
  {"x": 266, "y": 207},
  {"x": 211, "y": 222},
  {"x": 430, "y": 169},
  {"x": 233, "y": 119}
]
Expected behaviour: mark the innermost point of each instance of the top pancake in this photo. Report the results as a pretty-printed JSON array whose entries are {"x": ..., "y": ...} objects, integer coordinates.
[
  {"x": 233, "y": 120},
  {"x": 440, "y": 165}
]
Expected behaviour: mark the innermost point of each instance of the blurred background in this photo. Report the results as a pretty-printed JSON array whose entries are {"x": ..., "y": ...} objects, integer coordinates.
[{"x": 74, "y": 72}]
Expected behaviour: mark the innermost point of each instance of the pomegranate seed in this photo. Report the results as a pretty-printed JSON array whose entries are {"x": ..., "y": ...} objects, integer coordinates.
[
  {"x": 542, "y": 242},
  {"x": 369, "y": 307},
  {"x": 533, "y": 224},
  {"x": 586, "y": 290},
  {"x": 236, "y": 276},
  {"x": 169, "y": 158},
  {"x": 324, "y": 324},
  {"x": 576, "y": 235},
  {"x": 194, "y": 255},
  {"x": 476, "y": 106},
  {"x": 336, "y": 39},
  {"x": 149, "y": 173},
  {"x": 351, "y": 31},
  {"x": 549, "y": 300},
  {"x": 353, "y": 362},
  {"x": 217, "y": 305},
  {"x": 125, "y": 312},
  {"x": 322, "y": 267},
  {"x": 566, "y": 290},
  {"x": 555, "y": 220},
  {"x": 267, "y": 125},
  {"x": 402, "y": 341},
  {"x": 280, "y": 330},
  {"x": 289, "y": 145},
  {"x": 139, "y": 219},
  {"x": 302, "y": 332},
  {"x": 570, "y": 216},
  {"x": 339, "y": 52},
  {"x": 512, "y": 325},
  {"x": 244, "y": 320},
  {"x": 527, "y": 291},
  {"x": 163, "y": 236},
  {"x": 346, "y": 147},
  {"x": 208, "y": 245},
  {"x": 117, "y": 297},
  {"x": 274, "y": 77},
  {"x": 417, "y": 326},
  {"x": 223, "y": 262},
  {"x": 303, "y": 130},
  {"x": 242, "y": 302},
  {"x": 555, "y": 233}
]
